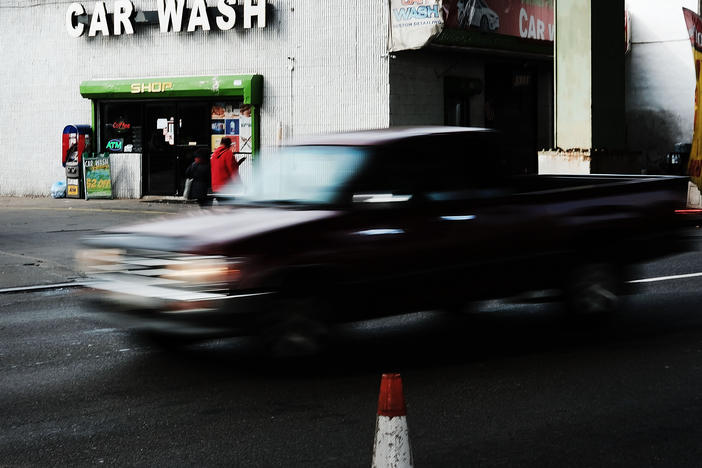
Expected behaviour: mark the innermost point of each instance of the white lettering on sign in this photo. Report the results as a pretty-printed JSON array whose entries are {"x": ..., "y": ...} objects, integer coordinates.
[
  {"x": 98, "y": 23},
  {"x": 228, "y": 18},
  {"x": 170, "y": 11},
  {"x": 532, "y": 27},
  {"x": 74, "y": 28},
  {"x": 258, "y": 10},
  {"x": 198, "y": 17},
  {"x": 124, "y": 9},
  {"x": 171, "y": 14}
]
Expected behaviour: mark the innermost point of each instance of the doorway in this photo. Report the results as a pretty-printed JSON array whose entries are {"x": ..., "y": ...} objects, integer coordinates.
[
  {"x": 511, "y": 107},
  {"x": 174, "y": 130},
  {"x": 168, "y": 132}
]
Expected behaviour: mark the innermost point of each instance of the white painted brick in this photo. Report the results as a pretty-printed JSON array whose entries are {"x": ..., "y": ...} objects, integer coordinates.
[{"x": 340, "y": 79}]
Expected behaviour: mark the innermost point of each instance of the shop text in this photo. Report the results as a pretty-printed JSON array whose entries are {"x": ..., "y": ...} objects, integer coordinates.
[
  {"x": 155, "y": 87},
  {"x": 172, "y": 16}
]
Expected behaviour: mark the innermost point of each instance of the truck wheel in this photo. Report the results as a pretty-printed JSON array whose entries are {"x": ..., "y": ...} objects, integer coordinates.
[
  {"x": 293, "y": 329},
  {"x": 164, "y": 341},
  {"x": 593, "y": 290},
  {"x": 484, "y": 26}
]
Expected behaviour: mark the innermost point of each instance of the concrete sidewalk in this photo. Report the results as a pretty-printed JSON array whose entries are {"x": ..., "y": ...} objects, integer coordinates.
[{"x": 39, "y": 236}]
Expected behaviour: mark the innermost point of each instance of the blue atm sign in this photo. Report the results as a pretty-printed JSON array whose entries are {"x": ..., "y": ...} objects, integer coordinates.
[{"x": 115, "y": 144}]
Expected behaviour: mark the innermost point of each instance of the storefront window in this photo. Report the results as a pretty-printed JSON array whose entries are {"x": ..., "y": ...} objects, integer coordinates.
[
  {"x": 233, "y": 120},
  {"x": 121, "y": 128}
]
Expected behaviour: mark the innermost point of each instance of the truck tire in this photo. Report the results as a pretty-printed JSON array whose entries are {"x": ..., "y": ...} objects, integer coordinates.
[
  {"x": 484, "y": 26},
  {"x": 164, "y": 341},
  {"x": 594, "y": 289},
  {"x": 293, "y": 328}
]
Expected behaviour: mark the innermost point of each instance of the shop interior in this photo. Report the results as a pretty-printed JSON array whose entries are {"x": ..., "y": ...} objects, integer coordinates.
[{"x": 167, "y": 132}]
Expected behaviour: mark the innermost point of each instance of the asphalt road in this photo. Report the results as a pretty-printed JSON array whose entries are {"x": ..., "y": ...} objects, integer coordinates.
[{"x": 510, "y": 385}]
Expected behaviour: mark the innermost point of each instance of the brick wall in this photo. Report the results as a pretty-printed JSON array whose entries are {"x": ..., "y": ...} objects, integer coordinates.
[{"x": 323, "y": 63}]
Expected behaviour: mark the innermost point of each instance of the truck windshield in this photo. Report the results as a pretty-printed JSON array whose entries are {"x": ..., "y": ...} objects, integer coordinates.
[{"x": 300, "y": 174}]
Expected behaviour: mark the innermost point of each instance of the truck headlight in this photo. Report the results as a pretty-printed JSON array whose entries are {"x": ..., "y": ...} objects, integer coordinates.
[
  {"x": 98, "y": 260},
  {"x": 204, "y": 270}
]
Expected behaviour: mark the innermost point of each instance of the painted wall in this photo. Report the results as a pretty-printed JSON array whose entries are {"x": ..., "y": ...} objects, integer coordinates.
[
  {"x": 573, "y": 115},
  {"x": 660, "y": 79},
  {"x": 325, "y": 69},
  {"x": 417, "y": 86}
]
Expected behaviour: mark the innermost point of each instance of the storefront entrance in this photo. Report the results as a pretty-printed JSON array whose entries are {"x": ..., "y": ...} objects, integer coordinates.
[
  {"x": 151, "y": 128},
  {"x": 167, "y": 133},
  {"x": 173, "y": 130}
]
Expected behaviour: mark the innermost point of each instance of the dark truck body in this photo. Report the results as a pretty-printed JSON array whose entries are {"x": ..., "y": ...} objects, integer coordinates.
[{"x": 432, "y": 219}]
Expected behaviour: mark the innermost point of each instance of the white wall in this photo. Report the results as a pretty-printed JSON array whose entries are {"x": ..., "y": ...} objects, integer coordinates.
[
  {"x": 340, "y": 79},
  {"x": 660, "y": 78},
  {"x": 573, "y": 114}
]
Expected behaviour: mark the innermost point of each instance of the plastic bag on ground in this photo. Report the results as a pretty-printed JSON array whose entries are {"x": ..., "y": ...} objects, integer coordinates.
[{"x": 58, "y": 189}]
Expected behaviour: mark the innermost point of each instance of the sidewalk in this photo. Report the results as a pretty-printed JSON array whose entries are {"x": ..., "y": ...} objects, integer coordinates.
[{"x": 39, "y": 236}]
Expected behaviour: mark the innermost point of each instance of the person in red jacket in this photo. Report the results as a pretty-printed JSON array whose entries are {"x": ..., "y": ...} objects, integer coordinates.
[{"x": 224, "y": 165}]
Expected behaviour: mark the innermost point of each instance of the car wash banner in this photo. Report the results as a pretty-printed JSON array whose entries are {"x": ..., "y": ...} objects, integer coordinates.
[
  {"x": 694, "y": 29},
  {"x": 98, "y": 178},
  {"x": 527, "y": 19},
  {"x": 414, "y": 23}
]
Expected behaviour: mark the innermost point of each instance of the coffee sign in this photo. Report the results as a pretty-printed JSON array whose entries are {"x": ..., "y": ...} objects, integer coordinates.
[{"x": 172, "y": 16}]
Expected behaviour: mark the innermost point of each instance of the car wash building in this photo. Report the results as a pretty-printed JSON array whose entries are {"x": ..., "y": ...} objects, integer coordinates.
[{"x": 158, "y": 79}]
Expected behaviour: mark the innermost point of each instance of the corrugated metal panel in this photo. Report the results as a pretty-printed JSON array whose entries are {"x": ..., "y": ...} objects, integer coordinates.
[
  {"x": 125, "y": 170},
  {"x": 338, "y": 81}
]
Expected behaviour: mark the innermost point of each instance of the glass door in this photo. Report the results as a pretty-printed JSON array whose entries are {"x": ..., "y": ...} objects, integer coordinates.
[
  {"x": 192, "y": 132},
  {"x": 160, "y": 153}
]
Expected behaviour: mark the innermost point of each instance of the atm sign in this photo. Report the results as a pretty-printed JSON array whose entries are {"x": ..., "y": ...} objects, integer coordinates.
[{"x": 115, "y": 144}]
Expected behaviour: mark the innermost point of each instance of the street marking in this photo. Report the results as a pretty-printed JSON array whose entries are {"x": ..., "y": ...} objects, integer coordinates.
[
  {"x": 44, "y": 286},
  {"x": 666, "y": 278},
  {"x": 103, "y": 210}
]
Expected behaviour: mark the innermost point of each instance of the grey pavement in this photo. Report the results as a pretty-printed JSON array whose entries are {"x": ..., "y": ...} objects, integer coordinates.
[{"x": 39, "y": 236}]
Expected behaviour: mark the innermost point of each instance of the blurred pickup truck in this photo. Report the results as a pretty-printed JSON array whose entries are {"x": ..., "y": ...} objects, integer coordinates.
[{"x": 359, "y": 225}]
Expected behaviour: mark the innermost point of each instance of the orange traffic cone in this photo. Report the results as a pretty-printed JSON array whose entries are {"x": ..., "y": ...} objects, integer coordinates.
[{"x": 392, "y": 444}]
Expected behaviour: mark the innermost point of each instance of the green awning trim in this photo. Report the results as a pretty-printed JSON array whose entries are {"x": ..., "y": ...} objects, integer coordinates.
[{"x": 247, "y": 87}]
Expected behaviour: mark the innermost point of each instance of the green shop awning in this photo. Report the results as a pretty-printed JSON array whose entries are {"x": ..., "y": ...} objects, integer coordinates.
[{"x": 247, "y": 87}]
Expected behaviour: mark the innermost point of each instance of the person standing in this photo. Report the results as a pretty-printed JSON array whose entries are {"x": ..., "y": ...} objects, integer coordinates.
[
  {"x": 225, "y": 167},
  {"x": 199, "y": 171}
]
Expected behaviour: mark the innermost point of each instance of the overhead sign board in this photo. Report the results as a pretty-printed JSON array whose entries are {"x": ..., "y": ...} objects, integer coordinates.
[
  {"x": 413, "y": 23},
  {"x": 121, "y": 17}
]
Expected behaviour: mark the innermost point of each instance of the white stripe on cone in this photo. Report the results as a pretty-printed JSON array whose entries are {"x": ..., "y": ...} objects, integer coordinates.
[
  {"x": 392, "y": 444},
  {"x": 391, "y": 448}
]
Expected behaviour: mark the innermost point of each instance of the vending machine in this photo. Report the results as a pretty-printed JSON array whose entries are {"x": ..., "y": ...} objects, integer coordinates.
[{"x": 76, "y": 143}]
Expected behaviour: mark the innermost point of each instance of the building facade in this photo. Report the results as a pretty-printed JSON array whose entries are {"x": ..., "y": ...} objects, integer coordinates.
[
  {"x": 262, "y": 72},
  {"x": 660, "y": 80}
]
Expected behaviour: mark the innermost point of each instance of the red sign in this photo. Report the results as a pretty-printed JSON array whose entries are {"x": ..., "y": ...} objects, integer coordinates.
[
  {"x": 121, "y": 126},
  {"x": 528, "y": 19}
]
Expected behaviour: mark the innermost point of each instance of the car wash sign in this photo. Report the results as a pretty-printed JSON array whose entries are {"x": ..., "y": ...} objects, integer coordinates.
[
  {"x": 120, "y": 17},
  {"x": 413, "y": 23}
]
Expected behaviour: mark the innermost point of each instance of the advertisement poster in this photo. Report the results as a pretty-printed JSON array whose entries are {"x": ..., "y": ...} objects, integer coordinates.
[
  {"x": 98, "y": 180},
  {"x": 413, "y": 23},
  {"x": 216, "y": 140},
  {"x": 245, "y": 130},
  {"x": 231, "y": 120},
  {"x": 528, "y": 19},
  {"x": 694, "y": 29},
  {"x": 217, "y": 127}
]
